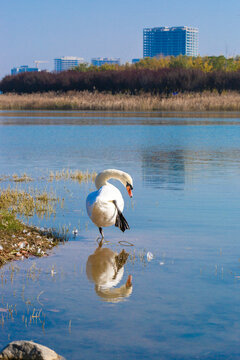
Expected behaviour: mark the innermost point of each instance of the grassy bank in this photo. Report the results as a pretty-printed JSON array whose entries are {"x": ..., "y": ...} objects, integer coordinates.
[
  {"x": 206, "y": 101},
  {"x": 19, "y": 241},
  {"x": 20, "y": 200}
]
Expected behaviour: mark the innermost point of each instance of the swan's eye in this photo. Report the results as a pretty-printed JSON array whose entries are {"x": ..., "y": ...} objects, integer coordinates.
[
  {"x": 129, "y": 186},
  {"x": 129, "y": 189}
]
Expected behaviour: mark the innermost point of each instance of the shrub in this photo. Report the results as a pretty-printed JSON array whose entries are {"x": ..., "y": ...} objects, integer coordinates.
[{"x": 132, "y": 80}]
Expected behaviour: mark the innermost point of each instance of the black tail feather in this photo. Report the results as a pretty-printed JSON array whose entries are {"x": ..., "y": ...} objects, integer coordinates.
[{"x": 121, "y": 222}]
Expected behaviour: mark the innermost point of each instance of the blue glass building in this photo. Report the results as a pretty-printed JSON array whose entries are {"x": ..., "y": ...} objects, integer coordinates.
[
  {"x": 67, "y": 63},
  {"x": 170, "y": 41},
  {"x": 23, "y": 68}
]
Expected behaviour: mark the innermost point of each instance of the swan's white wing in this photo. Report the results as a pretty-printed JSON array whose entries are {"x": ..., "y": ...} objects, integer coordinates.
[{"x": 100, "y": 207}]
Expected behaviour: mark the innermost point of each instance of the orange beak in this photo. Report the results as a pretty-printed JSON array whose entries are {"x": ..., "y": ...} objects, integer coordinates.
[
  {"x": 129, "y": 191},
  {"x": 129, "y": 281}
]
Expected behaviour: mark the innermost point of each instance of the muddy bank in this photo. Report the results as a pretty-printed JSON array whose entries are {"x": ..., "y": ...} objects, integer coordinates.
[{"x": 19, "y": 241}]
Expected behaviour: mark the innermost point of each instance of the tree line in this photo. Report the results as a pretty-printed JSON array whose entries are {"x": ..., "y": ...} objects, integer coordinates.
[
  {"x": 204, "y": 63},
  {"x": 130, "y": 80}
]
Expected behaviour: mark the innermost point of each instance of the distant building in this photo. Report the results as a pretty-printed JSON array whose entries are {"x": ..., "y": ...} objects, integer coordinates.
[
  {"x": 134, "y": 61},
  {"x": 23, "y": 68},
  {"x": 170, "y": 41},
  {"x": 67, "y": 63},
  {"x": 101, "y": 61}
]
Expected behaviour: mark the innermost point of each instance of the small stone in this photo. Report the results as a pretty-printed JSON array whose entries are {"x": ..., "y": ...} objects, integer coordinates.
[
  {"x": 1, "y": 248},
  {"x": 22, "y": 244},
  {"x": 24, "y": 231},
  {"x": 29, "y": 234},
  {"x": 25, "y": 254},
  {"x": 13, "y": 236}
]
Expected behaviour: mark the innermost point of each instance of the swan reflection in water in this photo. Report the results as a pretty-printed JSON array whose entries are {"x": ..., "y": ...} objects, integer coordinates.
[{"x": 105, "y": 268}]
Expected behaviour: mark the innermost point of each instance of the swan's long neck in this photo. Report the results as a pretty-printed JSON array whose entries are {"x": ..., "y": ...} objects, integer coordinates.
[{"x": 104, "y": 176}]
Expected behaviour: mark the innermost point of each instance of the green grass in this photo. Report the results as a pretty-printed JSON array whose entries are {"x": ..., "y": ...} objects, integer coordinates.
[{"x": 9, "y": 223}]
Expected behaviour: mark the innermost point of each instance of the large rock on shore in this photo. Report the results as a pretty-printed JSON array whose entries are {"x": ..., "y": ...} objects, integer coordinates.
[{"x": 28, "y": 350}]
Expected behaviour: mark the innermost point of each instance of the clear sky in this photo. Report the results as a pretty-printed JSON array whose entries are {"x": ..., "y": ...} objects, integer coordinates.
[{"x": 42, "y": 30}]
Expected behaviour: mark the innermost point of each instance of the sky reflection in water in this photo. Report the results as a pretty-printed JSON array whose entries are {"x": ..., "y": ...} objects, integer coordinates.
[{"x": 184, "y": 304}]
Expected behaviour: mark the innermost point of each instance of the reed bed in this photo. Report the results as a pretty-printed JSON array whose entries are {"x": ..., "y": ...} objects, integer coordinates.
[
  {"x": 64, "y": 174},
  {"x": 18, "y": 240},
  {"x": 77, "y": 175},
  {"x": 206, "y": 101},
  {"x": 21, "y": 178},
  {"x": 29, "y": 203}
]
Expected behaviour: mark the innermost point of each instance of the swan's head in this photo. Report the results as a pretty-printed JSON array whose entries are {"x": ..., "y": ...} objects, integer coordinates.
[
  {"x": 122, "y": 176},
  {"x": 127, "y": 182},
  {"x": 129, "y": 282}
]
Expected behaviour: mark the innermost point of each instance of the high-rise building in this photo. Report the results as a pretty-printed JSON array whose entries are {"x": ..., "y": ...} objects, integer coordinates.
[
  {"x": 170, "y": 41},
  {"x": 66, "y": 63},
  {"x": 23, "y": 68},
  {"x": 101, "y": 61}
]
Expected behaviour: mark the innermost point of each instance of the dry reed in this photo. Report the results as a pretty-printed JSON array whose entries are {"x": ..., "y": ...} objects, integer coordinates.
[
  {"x": 21, "y": 178},
  {"x": 206, "y": 101},
  {"x": 77, "y": 175},
  {"x": 64, "y": 174},
  {"x": 28, "y": 203}
]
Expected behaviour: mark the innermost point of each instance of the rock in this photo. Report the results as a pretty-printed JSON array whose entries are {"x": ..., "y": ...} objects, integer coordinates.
[
  {"x": 28, "y": 350},
  {"x": 23, "y": 244}
]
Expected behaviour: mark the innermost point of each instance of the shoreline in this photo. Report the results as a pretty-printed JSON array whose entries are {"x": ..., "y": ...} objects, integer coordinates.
[
  {"x": 91, "y": 102},
  {"x": 20, "y": 241}
]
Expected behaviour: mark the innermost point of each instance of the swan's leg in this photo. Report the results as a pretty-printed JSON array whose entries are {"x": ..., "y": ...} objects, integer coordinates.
[
  {"x": 101, "y": 241},
  {"x": 101, "y": 232},
  {"x": 121, "y": 222}
]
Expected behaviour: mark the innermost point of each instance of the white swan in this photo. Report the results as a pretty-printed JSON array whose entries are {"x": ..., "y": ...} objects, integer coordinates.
[{"x": 105, "y": 206}]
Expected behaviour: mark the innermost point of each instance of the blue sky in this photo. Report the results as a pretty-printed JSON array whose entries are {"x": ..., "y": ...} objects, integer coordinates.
[{"x": 42, "y": 30}]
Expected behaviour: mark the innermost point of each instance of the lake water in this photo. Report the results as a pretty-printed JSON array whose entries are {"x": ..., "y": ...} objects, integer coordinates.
[{"x": 184, "y": 303}]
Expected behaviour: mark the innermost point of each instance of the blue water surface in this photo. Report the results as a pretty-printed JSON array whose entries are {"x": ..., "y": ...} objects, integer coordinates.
[{"x": 184, "y": 303}]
